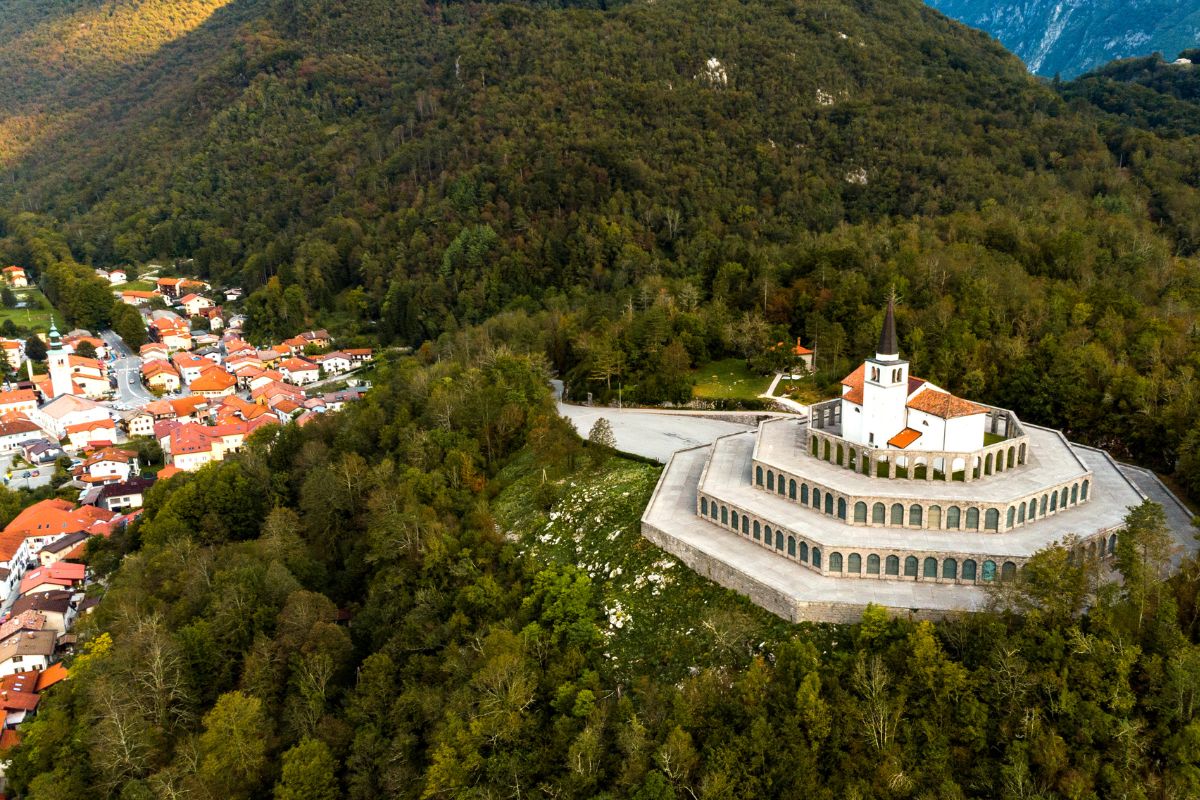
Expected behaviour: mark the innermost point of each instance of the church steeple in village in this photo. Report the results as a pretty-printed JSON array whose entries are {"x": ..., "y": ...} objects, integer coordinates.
[{"x": 889, "y": 347}]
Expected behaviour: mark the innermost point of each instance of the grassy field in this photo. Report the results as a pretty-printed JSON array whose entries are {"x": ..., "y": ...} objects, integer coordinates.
[
  {"x": 36, "y": 318},
  {"x": 804, "y": 391},
  {"x": 661, "y": 616},
  {"x": 137, "y": 286},
  {"x": 728, "y": 379}
]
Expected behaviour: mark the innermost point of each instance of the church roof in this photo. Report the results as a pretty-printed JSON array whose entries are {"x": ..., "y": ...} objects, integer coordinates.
[
  {"x": 904, "y": 438},
  {"x": 944, "y": 405},
  {"x": 855, "y": 383},
  {"x": 888, "y": 343}
]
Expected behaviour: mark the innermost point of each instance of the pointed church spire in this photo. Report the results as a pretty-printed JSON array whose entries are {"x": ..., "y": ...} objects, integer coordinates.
[{"x": 889, "y": 347}]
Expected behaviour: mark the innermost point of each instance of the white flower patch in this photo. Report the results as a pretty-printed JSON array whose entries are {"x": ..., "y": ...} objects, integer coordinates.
[
  {"x": 824, "y": 98},
  {"x": 857, "y": 176},
  {"x": 617, "y": 615},
  {"x": 714, "y": 73}
]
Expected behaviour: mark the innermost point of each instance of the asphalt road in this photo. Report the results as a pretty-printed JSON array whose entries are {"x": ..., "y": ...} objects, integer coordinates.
[{"x": 127, "y": 367}]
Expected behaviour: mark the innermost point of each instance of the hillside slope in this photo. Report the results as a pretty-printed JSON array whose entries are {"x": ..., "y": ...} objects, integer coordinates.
[{"x": 1069, "y": 37}]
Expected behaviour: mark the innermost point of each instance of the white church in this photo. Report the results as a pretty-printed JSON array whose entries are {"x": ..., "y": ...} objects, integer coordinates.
[{"x": 896, "y": 492}]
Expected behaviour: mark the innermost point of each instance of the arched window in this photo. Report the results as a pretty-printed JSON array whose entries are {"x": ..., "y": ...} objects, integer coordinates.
[
  {"x": 989, "y": 570},
  {"x": 782, "y": 486},
  {"x": 935, "y": 517},
  {"x": 826, "y": 449},
  {"x": 745, "y": 525},
  {"x": 1012, "y": 457},
  {"x": 1008, "y": 571},
  {"x": 816, "y": 498},
  {"x": 841, "y": 508},
  {"x": 852, "y": 459},
  {"x": 1075, "y": 494},
  {"x": 991, "y": 519},
  {"x": 779, "y": 540},
  {"x": 712, "y": 510},
  {"x": 792, "y": 489},
  {"x": 804, "y": 493},
  {"x": 704, "y": 506},
  {"x": 724, "y": 515},
  {"x": 1042, "y": 509},
  {"x": 804, "y": 551},
  {"x": 866, "y": 464},
  {"x": 816, "y": 557},
  {"x": 897, "y": 514},
  {"x": 1033, "y": 509},
  {"x": 854, "y": 563},
  {"x": 1021, "y": 513},
  {"x": 1062, "y": 498},
  {"x": 953, "y": 517},
  {"x": 950, "y": 569},
  {"x": 878, "y": 514},
  {"x": 815, "y": 444},
  {"x": 829, "y": 504},
  {"x": 1054, "y": 501},
  {"x": 757, "y": 530},
  {"x": 1083, "y": 492},
  {"x": 987, "y": 465},
  {"x": 1021, "y": 454},
  {"x": 770, "y": 481},
  {"x": 973, "y": 519},
  {"x": 1112, "y": 544},
  {"x": 1012, "y": 516},
  {"x": 835, "y": 562},
  {"x": 872, "y": 564},
  {"x": 792, "y": 546},
  {"x": 767, "y": 535},
  {"x": 758, "y": 475},
  {"x": 910, "y": 567},
  {"x": 840, "y": 455},
  {"x": 892, "y": 565},
  {"x": 930, "y": 568},
  {"x": 860, "y": 511},
  {"x": 916, "y": 516},
  {"x": 733, "y": 520},
  {"x": 968, "y": 570}
]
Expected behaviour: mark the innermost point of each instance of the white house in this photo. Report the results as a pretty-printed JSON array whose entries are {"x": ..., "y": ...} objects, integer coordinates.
[{"x": 29, "y": 650}]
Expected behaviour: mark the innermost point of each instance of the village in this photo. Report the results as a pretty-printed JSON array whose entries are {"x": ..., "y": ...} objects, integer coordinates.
[{"x": 101, "y": 413}]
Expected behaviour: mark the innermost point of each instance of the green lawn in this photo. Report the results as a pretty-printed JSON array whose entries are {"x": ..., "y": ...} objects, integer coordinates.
[
  {"x": 804, "y": 391},
  {"x": 137, "y": 286},
  {"x": 36, "y": 318},
  {"x": 660, "y": 616},
  {"x": 728, "y": 379},
  {"x": 991, "y": 438}
]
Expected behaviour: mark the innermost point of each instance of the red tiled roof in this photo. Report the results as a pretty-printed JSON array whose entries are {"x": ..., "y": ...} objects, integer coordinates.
[
  {"x": 855, "y": 381},
  {"x": 904, "y": 438},
  {"x": 51, "y": 675},
  {"x": 944, "y": 405}
]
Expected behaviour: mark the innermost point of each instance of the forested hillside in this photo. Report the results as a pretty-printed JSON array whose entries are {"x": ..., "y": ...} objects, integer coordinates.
[{"x": 1148, "y": 93}]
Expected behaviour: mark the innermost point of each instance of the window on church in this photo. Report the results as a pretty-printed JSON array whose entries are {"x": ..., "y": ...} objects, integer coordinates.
[
  {"x": 854, "y": 563},
  {"x": 930, "y": 568},
  {"x": 897, "y": 514},
  {"x": 989, "y": 570},
  {"x": 878, "y": 514},
  {"x": 910, "y": 567},
  {"x": 991, "y": 519},
  {"x": 968, "y": 572},
  {"x": 860, "y": 511},
  {"x": 816, "y": 557},
  {"x": 835, "y": 562},
  {"x": 892, "y": 565},
  {"x": 792, "y": 546},
  {"x": 872, "y": 564},
  {"x": 973, "y": 519},
  {"x": 950, "y": 569}
]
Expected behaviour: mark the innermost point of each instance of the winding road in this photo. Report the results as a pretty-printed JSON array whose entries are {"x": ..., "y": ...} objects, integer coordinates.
[{"x": 127, "y": 368}]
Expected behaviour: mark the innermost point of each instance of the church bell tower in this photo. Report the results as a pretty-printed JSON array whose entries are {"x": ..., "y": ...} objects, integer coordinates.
[
  {"x": 58, "y": 360},
  {"x": 885, "y": 386}
]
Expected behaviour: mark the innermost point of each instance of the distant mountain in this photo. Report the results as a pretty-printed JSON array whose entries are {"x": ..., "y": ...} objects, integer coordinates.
[{"x": 1070, "y": 37}]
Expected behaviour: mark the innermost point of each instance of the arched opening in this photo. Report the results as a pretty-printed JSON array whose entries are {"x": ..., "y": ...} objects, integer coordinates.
[
  {"x": 897, "y": 514},
  {"x": 1008, "y": 571},
  {"x": 792, "y": 489},
  {"x": 953, "y": 517},
  {"x": 724, "y": 515},
  {"x": 878, "y": 514},
  {"x": 916, "y": 516},
  {"x": 872, "y": 564},
  {"x": 840, "y": 455},
  {"x": 1062, "y": 498},
  {"x": 768, "y": 535},
  {"x": 1053, "y": 501},
  {"x": 973, "y": 519},
  {"x": 841, "y": 508},
  {"x": 892, "y": 565},
  {"x": 910, "y": 567},
  {"x": 733, "y": 519},
  {"x": 826, "y": 456},
  {"x": 816, "y": 498},
  {"x": 854, "y": 563},
  {"x": 860, "y": 511},
  {"x": 935, "y": 517},
  {"x": 852, "y": 459},
  {"x": 1112, "y": 544},
  {"x": 704, "y": 506},
  {"x": 950, "y": 569},
  {"x": 829, "y": 504},
  {"x": 1075, "y": 494},
  {"x": 882, "y": 467},
  {"x": 835, "y": 562},
  {"x": 815, "y": 444},
  {"x": 989, "y": 570},
  {"x": 1012, "y": 457},
  {"x": 782, "y": 486},
  {"x": 804, "y": 493},
  {"x": 779, "y": 540},
  {"x": 976, "y": 467},
  {"x": 987, "y": 465},
  {"x": 1021, "y": 454},
  {"x": 712, "y": 510},
  {"x": 792, "y": 546},
  {"x": 930, "y": 568},
  {"x": 1042, "y": 509},
  {"x": 968, "y": 573},
  {"x": 816, "y": 557},
  {"x": 758, "y": 475},
  {"x": 1091, "y": 550},
  {"x": 770, "y": 481},
  {"x": 958, "y": 469},
  {"x": 804, "y": 551},
  {"x": 866, "y": 465},
  {"x": 920, "y": 469},
  {"x": 746, "y": 525},
  {"x": 1012, "y": 516},
  {"x": 1033, "y": 510},
  {"x": 1084, "y": 490},
  {"x": 757, "y": 530},
  {"x": 1021, "y": 513},
  {"x": 991, "y": 519},
  {"x": 939, "y": 469}
]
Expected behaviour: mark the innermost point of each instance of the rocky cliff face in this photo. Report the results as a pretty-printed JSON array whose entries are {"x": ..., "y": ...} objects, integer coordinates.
[{"x": 1069, "y": 37}]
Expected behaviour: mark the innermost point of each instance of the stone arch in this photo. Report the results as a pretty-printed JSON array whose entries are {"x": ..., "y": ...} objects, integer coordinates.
[
  {"x": 804, "y": 551},
  {"x": 973, "y": 519},
  {"x": 1012, "y": 517},
  {"x": 920, "y": 469},
  {"x": 826, "y": 455},
  {"x": 956, "y": 466},
  {"x": 1021, "y": 454},
  {"x": 1074, "y": 493},
  {"x": 935, "y": 517},
  {"x": 991, "y": 519},
  {"x": 1053, "y": 502},
  {"x": 1083, "y": 490},
  {"x": 816, "y": 498},
  {"x": 758, "y": 475},
  {"x": 792, "y": 489},
  {"x": 892, "y": 565},
  {"x": 860, "y": 511},
  {"x": 929, "y": 568},
  {"x": 768, "y": 535},
  {"x": 840, "y": 454},
  {"x": 829, "y": 504},
  {"x": 1091, "y": 550},
  {"x": 910, "y": 567},
  {"x": 712, "y": 509},
  {"x": 1012, "y": 457},
  {"x": 1112, "y": 544},
  {"x": 852, "y": 459},
  {"x": 953, "y": 517},
  {"x": 950, "y": 569},
  {"x": 1062, "y": 498},
  {"x": 987, "y": 465},
  {"x": 791, "y": 551},
  {"x": 883, "y": 467},
  {"x": 866, "y": 464},
  {"x": 745, "y": 525},
  {"x": 873, "y": 564},
  {"x": 968, "y": 570},
  {"x": 1042, "y": 507},
  {"x": 854, "y": 563},
  {"x": 988, "y": 573},
  {"x": 841, "y": 508},
  {"x": 757, "y": 530},
  {"x": 916, "y": 516},
  {"x": 770, "y": 481},
  {"x": 779, "y": 540},
  {"x": 1033, "y": 509},
  {"x": 879, "y": 514},
  {"x": 816, "y": 557},
  {"x": 781, "y": 485},
  {"x": 939, "y": 468},
  {"x": 1021, "y": 514},
  {"x": 724, "y": 515},
  {"x": 897, "y": 514},
  {"x": 733, "y": 520},
  {"x": 804, "y": 493},
  {"x": 704, "y": 506},
  {"x": 1008, "y": 571}
]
